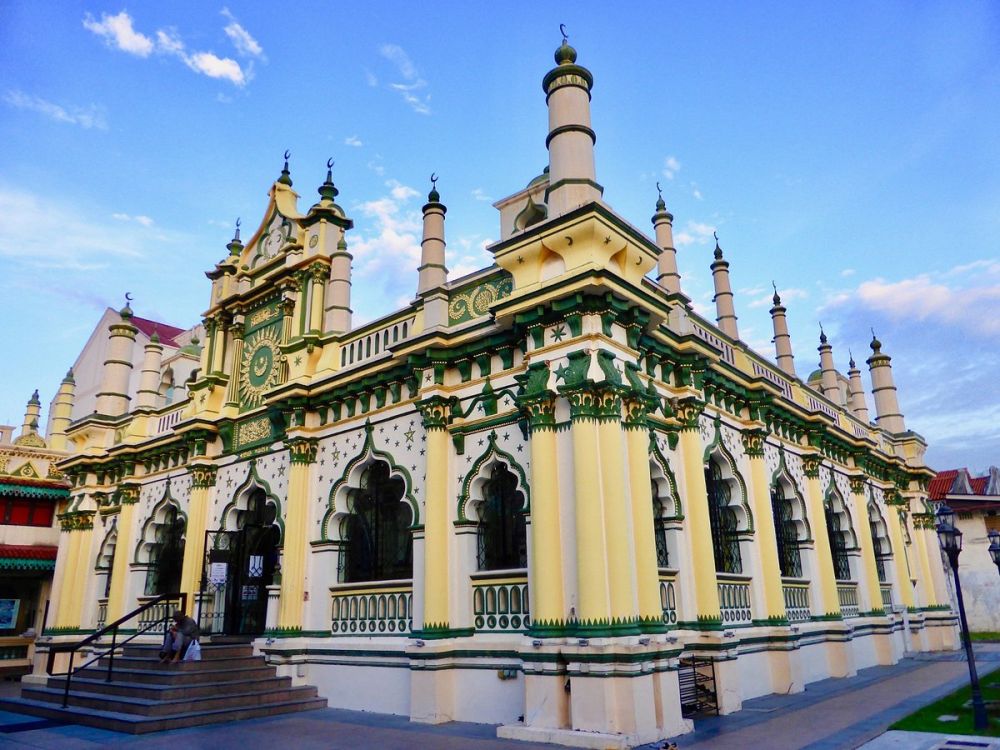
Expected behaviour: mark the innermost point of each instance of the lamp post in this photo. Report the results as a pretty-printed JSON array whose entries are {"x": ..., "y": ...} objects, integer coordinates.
[
  {"x": 994, "y": 537},
  {"x": 950, "y": 539}
]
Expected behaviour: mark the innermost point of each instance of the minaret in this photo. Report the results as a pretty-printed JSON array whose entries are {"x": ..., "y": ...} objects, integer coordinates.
[
  {"x": 572, "y": 177},
  {"x": 62, "y": 413},
  {"x": 31, "y": 414},
  {"x": 432, "y": 272},
  {"x": 856, "y": 399},
  {"x": 333, "y": 224},
  {"x": 113, "y": 398},
  {"x": 725, "y": 310},
  {"x": 782, "y": 340},
  {"x": 149, "y": 376},
  {"x": 887, "y": 414},
  {"x": 666, "y": 265},
  {"x": 828, "y": 373}
]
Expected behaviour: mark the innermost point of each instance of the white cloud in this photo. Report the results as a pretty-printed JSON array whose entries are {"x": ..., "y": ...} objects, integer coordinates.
[
  {"x": 376, "y": 167},
  {"x": 213, "y": 66},
  {"x": 848, "y": 272},
  {"x": 671, "y": 167},
  {"x": 371, "y": 79},
  {"x": 401, "y": 192},
  {"x": 412, "y": 80},
  {"x": 695, "y": 192},
  {"x": 353, "y": 140},
  {"x": 117, "y": 32},
  {"x": 138, "y": 219},
  {"x": 87, "y": 118},
  {"x": 480, "y": 195},
  {"x": 245, "y": 44},
  {"x": 694, "y": 233}
]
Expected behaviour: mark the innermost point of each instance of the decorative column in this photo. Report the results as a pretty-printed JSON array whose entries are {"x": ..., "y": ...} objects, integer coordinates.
[
  {"x": 593, "y": 610},
  {"x": 856, "y": 399},
  {"x": 339, "y": 312},
  {"x": 828, "y": 373},
  {"x": 319, "y": 273},
  {"x": 871, "y": 591},
  {"x": 149, "y": 377},
  {"x": 647, "y": 579},
  {"x": 237, "y": 329},
  {"x": 922, "y": 524},
  {"x": 897, "y": 505},
  {"x": 618, "y": 532},
  {"x": 295, "y": 554},
  {"x": 79, "y": 525},
  {"x": 436, "y": 416},
  {"x": 666, "y": 265},
  {"x": 219, "y": 354},
  {"x": 782, "y": 339},
  {"x": 113, "y": 398},
  {"x": 725, "y": 309},
  {"x": 202, "y": 486},
  {"x": 128, "y": 496},
  {"x": 765, "y": 536},
  {"x": 301, "y": 301},
  {"x": 699, "y": 527},
  {"x": 887, "y": 413},
  {"x": 548, "y": 610},
  {"x": 826, "y": 580}
]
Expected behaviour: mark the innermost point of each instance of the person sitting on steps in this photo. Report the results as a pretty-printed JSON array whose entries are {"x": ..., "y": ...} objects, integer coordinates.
[{"x": 179, "y": 636}]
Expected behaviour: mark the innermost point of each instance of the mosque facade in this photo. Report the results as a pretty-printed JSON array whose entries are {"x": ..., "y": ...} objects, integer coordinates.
[{"x": 547, "y": 495}]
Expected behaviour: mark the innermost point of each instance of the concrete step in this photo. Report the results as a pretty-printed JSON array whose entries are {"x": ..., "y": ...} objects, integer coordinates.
[
  {"x": 122, "y": 722},
  {"x": 209, "y": 651},
  {"x": 153, "y": 663},
  {"x": 167, "y": 691},
  {"x": 180, "y": 674},
  {"x": 175, "y": 707}
]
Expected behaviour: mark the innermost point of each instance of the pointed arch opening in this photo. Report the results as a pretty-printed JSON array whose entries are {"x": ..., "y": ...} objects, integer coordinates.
[
  {"x": 376, "y": 531},
  {"x": 880, "y": 540},
  {"x": 501, "y": 531},
  {"x": 840, "y": 530},
  {"x": 106, "y": 557},
  {"x": 666, "y": 509},
  {"x": 724, "y": 518},
  {"x": 161, "y": 547}
]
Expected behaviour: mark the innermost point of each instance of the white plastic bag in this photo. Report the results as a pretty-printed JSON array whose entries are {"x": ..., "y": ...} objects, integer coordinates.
[{"x": 194, "y": 652}]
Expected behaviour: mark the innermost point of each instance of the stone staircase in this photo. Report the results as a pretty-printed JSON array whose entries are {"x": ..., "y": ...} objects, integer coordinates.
[{"x": 228, "y": 684}]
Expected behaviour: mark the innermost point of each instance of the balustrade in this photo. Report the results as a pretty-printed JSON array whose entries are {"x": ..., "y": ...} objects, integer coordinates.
[
  {"x": 797, "y": 607},
  {"x": 734, "y": 600},
  {"x": 500, "y": 603},
  {"x": 377, "y": 608}
]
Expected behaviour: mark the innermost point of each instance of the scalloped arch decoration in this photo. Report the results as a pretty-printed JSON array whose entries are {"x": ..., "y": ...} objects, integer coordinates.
[
  {"x": 241, "y": 496},
  {"x": 717, "y": 451},
  {"x": 835, "y": 498},
  {"x": 156, "y": 515},
  {"x": 661, "y": 466},
  {"x": 782, "y": 477},
  {"x": 475, "y": 477},
  {"x": 369, "y": 454}
]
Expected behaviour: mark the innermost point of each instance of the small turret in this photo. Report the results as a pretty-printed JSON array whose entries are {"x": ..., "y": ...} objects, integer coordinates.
[
  {"x": 666, "y": 266},
  {"x": 432, "y": 272},
  {"x": 782, "y": 339},
  {"x": 31, "y": 413},
  {"x": 856, "y": 398},
  {"x": 149, "y": 377},
  {"x": 828, "y": 373},
  {"x": 286, "y": 176},
  {"x": 61, "y": 413},
  {"x": 725, "y": 310},
  {"x": 572, "y": 177},
  {"x": 113, "y": 399},
  {"x": 887, "y": 414}
]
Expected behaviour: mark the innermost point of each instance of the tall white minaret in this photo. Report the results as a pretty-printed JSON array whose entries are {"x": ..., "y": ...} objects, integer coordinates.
[
  {"x": 856, "y": 399},
  {"x": 828, "y": 373},
  {"x": 666, "y": 264},
  {"x": 113, "y": 398},
  {"x": 887, "y": 414},
  {"x": 782, "y": 339},
  {"x": 432, "y": 272},
  {"x": 149, "y": 377},
  {"x": 725, "y": 310},
  {"x": 572, "y": 177}
]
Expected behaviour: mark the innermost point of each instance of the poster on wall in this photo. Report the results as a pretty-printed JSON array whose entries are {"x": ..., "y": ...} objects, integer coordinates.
[{"x": 8, "y": 613}]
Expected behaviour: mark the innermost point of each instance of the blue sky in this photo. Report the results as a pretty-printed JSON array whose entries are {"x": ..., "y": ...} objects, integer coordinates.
[{"x": 848, "y": 151}]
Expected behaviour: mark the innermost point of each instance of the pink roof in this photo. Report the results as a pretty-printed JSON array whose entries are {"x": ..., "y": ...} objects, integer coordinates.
[
  {"x": 942, "y": 483},
  {"x": 167, "y": 334}
]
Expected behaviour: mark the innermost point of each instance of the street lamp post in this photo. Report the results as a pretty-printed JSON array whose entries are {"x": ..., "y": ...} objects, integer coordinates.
[
  {"x": 950, "y": 539},
  {"x": 994, "y": 537}
]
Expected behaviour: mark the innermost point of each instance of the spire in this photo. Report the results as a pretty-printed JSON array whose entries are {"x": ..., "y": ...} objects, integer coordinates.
[
  {"x": 856, "y": 397},
  {"x": 31, "y": 412},
  {"x": 726, "y": 311},
  {"x": 782, "y": 340},
  {"x": 286, "y": 176},
  {"x": 328, "y": 191},
  {"x": 235, "y": 247},
  {"x": 828, "y": 373},
  {"x": 572, "y": 177},
  {"x": 887, "y": 414},
  {"x": 326, "y": 207},
  {"x": 666, "y": 267},
  {"x": 433, "y": 274}
]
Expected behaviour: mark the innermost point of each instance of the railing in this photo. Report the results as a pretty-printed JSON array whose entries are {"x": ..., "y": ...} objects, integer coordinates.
[
  {"x": 372, "y": 608},
  {"x": 500, "y": 603},
  {"x": 102, "y": 613},
  {"x": 817, "y": 405},
  {"x": 164, "y": 603},
  {"x": 847, "y": 593},
  {"x": 376, "y": 342},
  {"x": 770, "y": 375},
  {"x": 734, "y": 600},
  {"x": 705, "y": 335},
  {"x": 157, "y": 610},
  {"x": 886, "y": 596},
  {"x": 167, "y": 421},
  {"x": 796, "y": 595},
  {"x": 668, "y": 598}
]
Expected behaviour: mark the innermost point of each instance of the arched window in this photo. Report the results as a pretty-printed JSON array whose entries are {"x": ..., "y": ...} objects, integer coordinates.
[
  {"x": 379, "y": 546},
  {"x": 502, "y": 533},
  {"x": 725, "y": 543},
  {"x": 880, "y": 541},
  {"x": 839, "y": 532},
  {"x": 660, "y": 525},
  {"x": 786, "y": 533},
  {"x": 166, "y": 553}
]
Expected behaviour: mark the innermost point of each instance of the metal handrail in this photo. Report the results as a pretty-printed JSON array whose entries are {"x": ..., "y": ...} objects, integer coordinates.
[{"x": 72, "y": 648}]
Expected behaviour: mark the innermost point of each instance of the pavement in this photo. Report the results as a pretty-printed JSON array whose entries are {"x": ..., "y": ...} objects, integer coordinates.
[{"x": 833, "y": 714}]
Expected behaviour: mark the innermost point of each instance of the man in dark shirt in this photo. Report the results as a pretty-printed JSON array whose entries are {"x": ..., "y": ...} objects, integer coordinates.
[{"x": 179, "y": 636}]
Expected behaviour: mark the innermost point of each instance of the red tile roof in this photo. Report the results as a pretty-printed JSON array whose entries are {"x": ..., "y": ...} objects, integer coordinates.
[
  {"x": 28, "y": 552},
  {"x": 167, "y": 334},
  {"x": 941, "y": 483}
]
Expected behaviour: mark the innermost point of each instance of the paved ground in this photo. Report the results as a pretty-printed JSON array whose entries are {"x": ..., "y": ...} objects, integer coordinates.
[
  {"x": 927, "y": 741},
  {"x": 832, "y": 714}
]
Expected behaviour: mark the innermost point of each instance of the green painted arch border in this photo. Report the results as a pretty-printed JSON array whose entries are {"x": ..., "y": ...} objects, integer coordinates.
[
  {"x": 656, "y": 456},
  {"x": 492, "y": 450},
  {"x": 718, "y": 448},
  {"x": 782, "y": 472},
  {"x": 254, "y": 480},
  {"x": 166, "y": 498}
]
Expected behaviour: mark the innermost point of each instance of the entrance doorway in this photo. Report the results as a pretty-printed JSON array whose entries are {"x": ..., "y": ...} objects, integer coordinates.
[{"x": 239, "y": 566}]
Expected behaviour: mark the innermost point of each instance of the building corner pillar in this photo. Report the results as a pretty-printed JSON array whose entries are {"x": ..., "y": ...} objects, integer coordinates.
[{"x": 295, "y": 552}]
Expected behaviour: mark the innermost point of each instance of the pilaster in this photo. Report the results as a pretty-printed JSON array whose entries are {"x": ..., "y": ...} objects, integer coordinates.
[
  {"x": 436, "y": 413},
  {"x": 824, "y": 577},
  {"x": 765, "y": 539},
  {"x": 870, "y": 589},
  {"x": 202, "y": 490},
  {"x": 302, "y": 452},
  {"x": 128, "y": 496}
]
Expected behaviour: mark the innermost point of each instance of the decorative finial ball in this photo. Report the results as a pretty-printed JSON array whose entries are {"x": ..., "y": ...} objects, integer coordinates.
[{"x": 565, "y": 55}]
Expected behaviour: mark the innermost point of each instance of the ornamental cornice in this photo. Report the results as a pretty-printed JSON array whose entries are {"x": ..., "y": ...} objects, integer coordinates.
[
  {"x": 302, "y": 450},
  {"x": 595, "y": 403},
  {"x": 436, "y": 412},
  {"x": 753, "y": 442},
  {"x": 203, "y": 475},
  {"x": 810, "y": 465},
  {"x": 128, "y": 494},
  {"x": 924, "y": 520},
  {"x": 858, "y": 483},
  {"x": 540, "y": 411},
  {"x": 687, "y": 410},
  {"x": 77, "y": 520}
]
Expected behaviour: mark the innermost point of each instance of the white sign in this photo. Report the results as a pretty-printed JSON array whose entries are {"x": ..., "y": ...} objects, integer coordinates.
[{"x": 217, "y": 573}]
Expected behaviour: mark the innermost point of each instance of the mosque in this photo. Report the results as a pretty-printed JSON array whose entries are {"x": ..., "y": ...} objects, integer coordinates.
[{"x": 547, "y": 495}]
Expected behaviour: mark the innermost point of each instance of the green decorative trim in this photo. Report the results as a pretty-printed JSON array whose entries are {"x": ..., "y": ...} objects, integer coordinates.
[
  {"x": 67, "y": 630},
  {"x": 202, "y": 476},
  {"x": 687, "y": 411},
  {"x": 492, "y": 451},
  {"x": 656, "y": 457},
  {"x": 782, "y": 472},
  {"x": 718, "y": 448},
  {"x": 828, "y": 617},
  {"x": 773, "y": 621},
  {"x": 810, "y": 465},
  {"x": 594, "y": 403},
  {"x": 439, "y": 631},
  {"x": 753, "y": 442},
  {"x": 302, "y": 450},
  {"x": 9, "y": 489},
  {"x": 26, "y": 563},
  {"x": 474, "y": 300},
  {"x": 77, "y": 520},
  {"x": 254, "y": 480},
  {"x": 437, "y": 412},
  {"x": 704, "y": 622}
]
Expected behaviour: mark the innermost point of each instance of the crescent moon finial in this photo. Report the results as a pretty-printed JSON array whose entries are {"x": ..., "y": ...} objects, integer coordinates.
[
  {"x": 329, "y": 163},
  {"x": 128, "y": 298},
  {"x": 237, "y": 222},
  {"x": 562, "y": 30},
  {"x": 434, "y": 179},
  {"x": 287, "y": 154},
  {"x": 659, "y": 190},
  {"x": 716, "y": 235}
]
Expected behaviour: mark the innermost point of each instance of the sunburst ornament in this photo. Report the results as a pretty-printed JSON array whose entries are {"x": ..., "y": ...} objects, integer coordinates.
[{"x": 260, "y": 367}]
